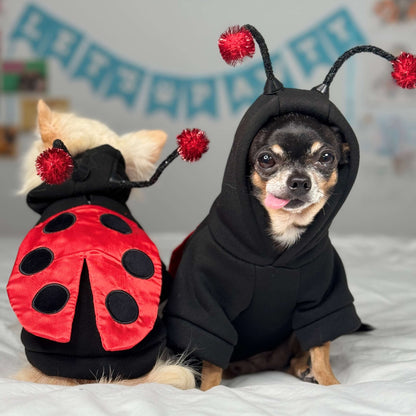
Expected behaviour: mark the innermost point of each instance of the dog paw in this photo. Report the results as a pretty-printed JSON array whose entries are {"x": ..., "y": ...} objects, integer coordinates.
[{"x": 308, "y": 376}]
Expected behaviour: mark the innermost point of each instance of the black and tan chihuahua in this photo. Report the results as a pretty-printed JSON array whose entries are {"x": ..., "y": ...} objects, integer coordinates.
[{"x": 294, "y": 163}]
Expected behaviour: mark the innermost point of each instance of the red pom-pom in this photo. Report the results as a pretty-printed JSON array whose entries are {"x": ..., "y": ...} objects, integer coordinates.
[
  {"x": 54, "y": 166},
  {"x": 192, "y": 144},
  {"x": 404, "y": 70},
  {"x": 235, "y": 44}
]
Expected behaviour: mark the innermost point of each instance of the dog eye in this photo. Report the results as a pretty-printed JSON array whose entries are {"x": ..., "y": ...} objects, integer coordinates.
[
  {"x": 266, "y": 160},
  {"x": 326, "y": 158}
]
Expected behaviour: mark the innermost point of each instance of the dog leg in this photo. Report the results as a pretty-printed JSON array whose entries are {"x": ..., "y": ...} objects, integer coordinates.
[
  {"x": 211, "y": 375},
  {"x": 300, "y": 367},
  {"x": 313, "y": 366},
  {"x": 321, "y": 365},
  {"x": 275, "y": 360}
]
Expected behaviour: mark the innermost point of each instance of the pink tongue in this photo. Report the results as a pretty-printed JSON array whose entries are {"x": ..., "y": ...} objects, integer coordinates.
[{"x": 275, "y": 203}]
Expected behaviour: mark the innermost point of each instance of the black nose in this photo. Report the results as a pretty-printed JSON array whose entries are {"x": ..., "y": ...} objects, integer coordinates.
[{"x": 299, "y": 184}]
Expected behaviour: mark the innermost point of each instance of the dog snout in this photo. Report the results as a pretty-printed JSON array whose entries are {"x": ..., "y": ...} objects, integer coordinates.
[{"x": 299, "y": 184}]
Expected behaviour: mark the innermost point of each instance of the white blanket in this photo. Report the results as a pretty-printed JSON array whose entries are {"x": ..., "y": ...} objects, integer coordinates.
[{"x": 377, "y": 369}]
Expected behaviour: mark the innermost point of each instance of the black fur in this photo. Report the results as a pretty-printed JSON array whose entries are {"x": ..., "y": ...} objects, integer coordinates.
[{"x": 295, "y": 134}]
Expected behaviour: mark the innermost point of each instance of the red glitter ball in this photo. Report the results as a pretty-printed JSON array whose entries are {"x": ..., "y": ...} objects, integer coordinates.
[
  {"x": 404, "y": 70},
  {"x": 192, "y": 144},
  {"x": 235, "y": 44},
  {"x": 54, "y": 166}
]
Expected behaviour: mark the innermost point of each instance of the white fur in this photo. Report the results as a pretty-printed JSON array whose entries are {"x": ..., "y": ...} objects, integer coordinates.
[
  {"x": 285, "y": 222},
  {"x": 173, "y": 372}
]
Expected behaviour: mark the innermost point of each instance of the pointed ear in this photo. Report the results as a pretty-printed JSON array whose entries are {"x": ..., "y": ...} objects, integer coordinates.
[
  {"x": 156, "y": 140},
  {"x": 46, "y": 124},
  {"x": 345, "y": 158},
  {"x": 141, "y": 150},
  {"x": 344, "y": 148}
]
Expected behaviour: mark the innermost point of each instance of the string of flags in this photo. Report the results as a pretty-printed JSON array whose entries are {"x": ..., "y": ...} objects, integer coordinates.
[{"x": 111, "y": 76}]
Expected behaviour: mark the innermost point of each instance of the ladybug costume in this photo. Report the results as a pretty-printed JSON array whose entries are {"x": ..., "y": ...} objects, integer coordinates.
[
  {"x": 87, "y": 281},
  {"x": 124, "y": 271}
]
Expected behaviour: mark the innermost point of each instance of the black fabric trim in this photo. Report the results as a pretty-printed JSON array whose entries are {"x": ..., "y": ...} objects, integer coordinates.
[
  {"x": 65, "y": 204},
  {"x": 341, "y": 322},
  {"x": 205, "y": 346}
]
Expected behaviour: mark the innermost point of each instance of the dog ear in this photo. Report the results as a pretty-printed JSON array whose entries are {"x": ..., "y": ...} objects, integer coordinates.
[
  {"x": 343, "y": 146},
  {"x": 345, "y": 153},
  {"x": 141, "y": 150},
  {"x": 47, "y": 124},
  {"x": 158, "y": 140}
]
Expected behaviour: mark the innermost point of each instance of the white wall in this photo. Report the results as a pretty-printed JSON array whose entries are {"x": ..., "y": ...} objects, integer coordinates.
[{"x": 178, "y": 38}]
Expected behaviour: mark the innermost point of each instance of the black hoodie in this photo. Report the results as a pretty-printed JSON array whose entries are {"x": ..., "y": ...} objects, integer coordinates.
[
  {"x": 233, "y": 295},
  {"x": 70, "y": 329}
]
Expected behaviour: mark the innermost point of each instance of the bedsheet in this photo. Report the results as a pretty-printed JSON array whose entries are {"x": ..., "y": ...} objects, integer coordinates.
[{"x": 377, "y": 369}]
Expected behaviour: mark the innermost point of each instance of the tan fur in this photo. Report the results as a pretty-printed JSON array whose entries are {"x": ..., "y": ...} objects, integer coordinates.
[
  {"x": 315, "y": 147},
  {"x": 326, "y": 186},
  {"x": 321, "y": 366},
  {"x": 277, "y": 149},
  {"x": 164, "y": 372},
  {"x": 140, "y": 149},
  {"x": 211, "y": 375},
  {"x": 312, "y": 365},
  {"x": 316, "y": 364}
]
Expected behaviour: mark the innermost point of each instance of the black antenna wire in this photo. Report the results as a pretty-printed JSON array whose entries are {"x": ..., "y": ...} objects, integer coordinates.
[
  {"x": 143, "y": 184},
  {"x": 351, "y": 52},
  {"x": 263, "y": 49},
  {"x": 272, "y": 84}
]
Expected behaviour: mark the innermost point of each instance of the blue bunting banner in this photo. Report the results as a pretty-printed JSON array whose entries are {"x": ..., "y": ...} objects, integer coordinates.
[
  {"x": 109, "y": 76},
  {"x": 95, "y": 66},
  {"x": 323, "y": 44},
  {"x": 165, "y": 94},
  {"x": 47, "y": 36}
]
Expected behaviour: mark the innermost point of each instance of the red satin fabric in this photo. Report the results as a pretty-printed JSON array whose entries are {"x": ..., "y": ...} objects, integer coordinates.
[{"x": 102, "y": 248}]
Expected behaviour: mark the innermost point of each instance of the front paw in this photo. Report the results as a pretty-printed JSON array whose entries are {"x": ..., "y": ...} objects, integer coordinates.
[{"x": 308, "y": 376}]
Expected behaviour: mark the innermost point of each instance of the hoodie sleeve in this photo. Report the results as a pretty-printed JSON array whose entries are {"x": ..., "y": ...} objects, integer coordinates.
[
  {"x": 325, "y": 307},
  {"x": 211, "y": 288}
]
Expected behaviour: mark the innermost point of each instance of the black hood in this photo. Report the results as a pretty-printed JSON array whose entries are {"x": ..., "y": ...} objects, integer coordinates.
[
  {"x": 91, "y": 176},
  {"x": 236, "y": 284},
  {"x": 237, "y": 221}
]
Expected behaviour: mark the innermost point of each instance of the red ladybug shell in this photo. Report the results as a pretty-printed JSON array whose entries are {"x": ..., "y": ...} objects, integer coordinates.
[{"x": 124, "y": 268}]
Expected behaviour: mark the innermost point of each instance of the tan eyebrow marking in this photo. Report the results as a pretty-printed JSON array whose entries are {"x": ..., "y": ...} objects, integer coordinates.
[
  {"x": 277, "y": 149},
  {"x": 315, "y": 147}
]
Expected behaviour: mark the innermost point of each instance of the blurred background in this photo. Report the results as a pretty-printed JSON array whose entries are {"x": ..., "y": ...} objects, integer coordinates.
[{"x": 155, "y": 65}]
